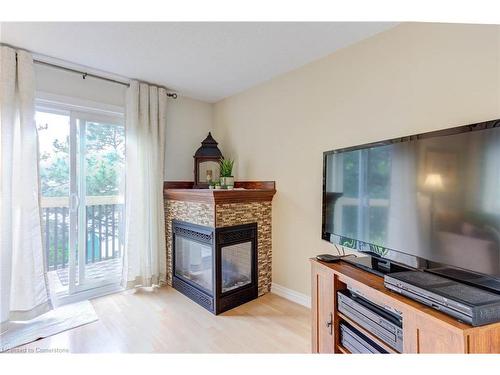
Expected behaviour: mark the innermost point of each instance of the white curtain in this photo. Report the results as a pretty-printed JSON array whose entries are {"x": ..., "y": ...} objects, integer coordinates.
[
  {"x": 145, "y": 250},
  {"x": 23, "y": 289}
]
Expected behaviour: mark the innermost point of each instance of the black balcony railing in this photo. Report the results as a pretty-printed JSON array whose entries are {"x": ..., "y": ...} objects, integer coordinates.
[{"x": 104, "y": 234}]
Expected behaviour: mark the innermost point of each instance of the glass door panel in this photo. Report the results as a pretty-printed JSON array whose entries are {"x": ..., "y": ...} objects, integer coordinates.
[
  {"x": 194, "y": 262},
  {"x": 236, "y": 266},
  {"x": 55, "y": 186},
  {"x": 103, "y": 159}
]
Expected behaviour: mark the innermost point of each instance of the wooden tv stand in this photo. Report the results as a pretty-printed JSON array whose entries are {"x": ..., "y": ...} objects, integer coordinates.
[{"x": 425, "y": 330}]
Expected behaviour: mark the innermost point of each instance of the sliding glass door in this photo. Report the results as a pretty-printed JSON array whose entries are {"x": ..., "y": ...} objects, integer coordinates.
[{"x": 82, "y": 165}]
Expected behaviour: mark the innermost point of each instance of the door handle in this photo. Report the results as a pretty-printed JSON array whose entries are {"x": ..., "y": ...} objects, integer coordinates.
[
  {"x": 329, "y": 324},
  {"x": 74, "y": 202}
]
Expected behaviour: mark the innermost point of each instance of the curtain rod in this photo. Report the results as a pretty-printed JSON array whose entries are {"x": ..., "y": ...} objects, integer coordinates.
[{"x": 84, "y": 75}]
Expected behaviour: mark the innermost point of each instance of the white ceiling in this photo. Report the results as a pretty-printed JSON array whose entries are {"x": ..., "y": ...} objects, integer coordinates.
[{"x": 207, "y": 61}]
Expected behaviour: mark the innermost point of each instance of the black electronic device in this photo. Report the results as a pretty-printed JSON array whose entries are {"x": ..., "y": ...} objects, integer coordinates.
[
  {"x": 383, "y": 323},
  {"x": 427, "y": 201},
  {"x": 356, "y": 342},
  {"x": 469, "y": 304},
  {"x": 329, "y": 258}
]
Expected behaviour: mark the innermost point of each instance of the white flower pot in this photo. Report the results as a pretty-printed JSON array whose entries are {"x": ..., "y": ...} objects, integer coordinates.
[{"x": 227, "y": 181}]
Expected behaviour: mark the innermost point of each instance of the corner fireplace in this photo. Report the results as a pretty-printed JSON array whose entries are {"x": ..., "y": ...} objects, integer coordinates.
[{"x": 215, "y": 267}]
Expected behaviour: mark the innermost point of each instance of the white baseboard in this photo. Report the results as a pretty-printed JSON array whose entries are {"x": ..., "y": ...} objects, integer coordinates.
[{"x": 291, "y": 295}]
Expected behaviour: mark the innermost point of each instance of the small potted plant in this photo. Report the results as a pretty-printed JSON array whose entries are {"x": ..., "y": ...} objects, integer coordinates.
[
  {"x": 217, "y": 185},
  {"x": 226, "y": 173},
  {"x": 211, "y": 184}
]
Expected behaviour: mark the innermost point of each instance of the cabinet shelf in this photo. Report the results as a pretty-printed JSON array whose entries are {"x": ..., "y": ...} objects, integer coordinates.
[{"x": 367, "y": 333}]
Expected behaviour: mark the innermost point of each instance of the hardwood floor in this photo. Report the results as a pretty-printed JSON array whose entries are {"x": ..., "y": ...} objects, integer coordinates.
[{"x": 165, "y": 321}]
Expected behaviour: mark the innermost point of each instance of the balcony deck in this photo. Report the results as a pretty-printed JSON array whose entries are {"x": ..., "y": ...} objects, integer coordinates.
[
  {"x": 103, "y": 233},
  {"x": 105, "y": 269},
  {"x": 102, "y": 270}
]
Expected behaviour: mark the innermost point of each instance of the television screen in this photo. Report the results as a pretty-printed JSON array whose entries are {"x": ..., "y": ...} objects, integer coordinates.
[{"x": 433, "y": 196}]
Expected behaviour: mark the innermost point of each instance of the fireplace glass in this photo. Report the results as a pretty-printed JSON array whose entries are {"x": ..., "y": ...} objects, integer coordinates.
[
  {"x": 194, "y": 262},
  {"x": 236, "y": 266}
]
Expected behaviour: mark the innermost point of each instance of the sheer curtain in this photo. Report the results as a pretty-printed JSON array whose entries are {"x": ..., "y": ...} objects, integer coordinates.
[
  {"x": 23, "y": 289},
  {"x": 145, "y": 250}
]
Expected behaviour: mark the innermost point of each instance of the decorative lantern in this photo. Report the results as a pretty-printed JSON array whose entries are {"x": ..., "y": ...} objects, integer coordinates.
[{"x": 206, "y": 163}]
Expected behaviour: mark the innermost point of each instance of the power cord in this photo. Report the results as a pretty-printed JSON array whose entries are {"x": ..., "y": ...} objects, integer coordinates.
[
  {"x": 343, "y": 254},
  {"x": 328, "y": 258}
]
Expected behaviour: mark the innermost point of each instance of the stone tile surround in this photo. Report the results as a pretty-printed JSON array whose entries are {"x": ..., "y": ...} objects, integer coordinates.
[
  {"x": 223, "y": 215},
  {"x": 191, "y": 212},
  {"x": 229, "y": 214}
]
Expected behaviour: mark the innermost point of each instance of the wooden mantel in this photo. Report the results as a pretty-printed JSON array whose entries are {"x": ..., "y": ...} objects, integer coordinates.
[{"x": 244, "y": 191}]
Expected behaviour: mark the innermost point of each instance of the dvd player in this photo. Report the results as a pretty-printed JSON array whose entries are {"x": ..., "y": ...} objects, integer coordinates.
[
  {"x": 466, "y": 303},
  {"x": 356, "y": 342},
  {"x": 382, "y": 323}
]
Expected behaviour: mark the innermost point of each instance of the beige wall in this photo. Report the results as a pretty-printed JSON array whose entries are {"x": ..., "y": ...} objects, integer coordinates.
[
  {"x": 188, "y": 123},
  {"x": 410, "y": 79},
  {"x": 188, "y": 120}
]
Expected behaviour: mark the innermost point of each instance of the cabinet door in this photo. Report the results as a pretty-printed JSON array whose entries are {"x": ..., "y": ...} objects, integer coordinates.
[
  {"x": 426, "y": 335},
  {"x": 322, "y": 310},
  {"x": 484, "y": 339}
]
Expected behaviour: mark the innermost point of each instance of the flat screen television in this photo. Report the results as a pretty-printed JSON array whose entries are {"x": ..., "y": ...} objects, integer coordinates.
[{"x": 429, "y": 201}]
